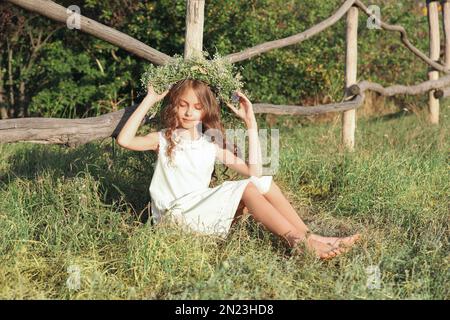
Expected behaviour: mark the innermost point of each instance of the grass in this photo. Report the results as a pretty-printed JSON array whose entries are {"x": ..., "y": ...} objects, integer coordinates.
[{"x": 63, "y": 208}]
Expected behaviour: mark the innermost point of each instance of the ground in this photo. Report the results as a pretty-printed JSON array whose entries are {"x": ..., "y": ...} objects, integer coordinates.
[{"x": 70, "y": 221}]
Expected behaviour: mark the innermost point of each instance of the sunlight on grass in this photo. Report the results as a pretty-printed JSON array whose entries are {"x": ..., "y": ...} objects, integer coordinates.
[{"x": 85, "y": 208}]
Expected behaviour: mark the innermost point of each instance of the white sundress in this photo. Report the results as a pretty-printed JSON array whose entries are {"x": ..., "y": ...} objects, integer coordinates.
[{"x": 182, "y": 191}]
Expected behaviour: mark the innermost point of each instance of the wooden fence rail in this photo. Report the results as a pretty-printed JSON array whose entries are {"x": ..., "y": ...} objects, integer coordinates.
[{"x": 74, "y": 132}]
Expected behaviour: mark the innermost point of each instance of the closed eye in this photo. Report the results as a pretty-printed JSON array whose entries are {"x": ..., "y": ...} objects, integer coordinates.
[{"x": 198, "y": 107}]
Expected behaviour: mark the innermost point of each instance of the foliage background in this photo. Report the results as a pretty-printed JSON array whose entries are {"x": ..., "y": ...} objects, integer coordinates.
[
  {"x": 84, "y": 207},
  {"x": 75, "y": 75}
]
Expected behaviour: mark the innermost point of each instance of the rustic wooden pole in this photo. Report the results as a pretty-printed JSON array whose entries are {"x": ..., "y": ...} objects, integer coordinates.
[
  {"x": 351, "y": 63},
  {"x": 195, "y": 10},
  {"x": 59, "y": 13},
  {"x": 435, "y": 48},
  {"x": 75, "y": 132},
  {"x": 446, "y": 16},
  {"x": 405, "y": 40}
]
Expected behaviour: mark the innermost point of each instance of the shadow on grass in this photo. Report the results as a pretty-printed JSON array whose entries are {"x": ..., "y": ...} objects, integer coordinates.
[
  {"x": 392, "y": 116},
  {"x": 120, "y": 173}
]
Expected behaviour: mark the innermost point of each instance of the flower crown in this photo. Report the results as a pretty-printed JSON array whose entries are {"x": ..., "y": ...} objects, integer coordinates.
[{"x": 217, "y": 73}]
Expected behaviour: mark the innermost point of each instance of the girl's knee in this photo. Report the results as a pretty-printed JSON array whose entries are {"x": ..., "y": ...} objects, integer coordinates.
[{"x": 250, "y": 189}]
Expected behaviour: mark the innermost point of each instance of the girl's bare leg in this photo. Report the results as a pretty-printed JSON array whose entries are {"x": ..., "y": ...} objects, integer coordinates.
[
  {"x": 263, "y": 211},
  {"x": 279, "y": 201}
]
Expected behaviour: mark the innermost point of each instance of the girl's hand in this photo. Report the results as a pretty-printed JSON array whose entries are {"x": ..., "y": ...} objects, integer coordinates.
[
  {"x": 153, "y": 95},
  {"x": 245, "y": 112}
]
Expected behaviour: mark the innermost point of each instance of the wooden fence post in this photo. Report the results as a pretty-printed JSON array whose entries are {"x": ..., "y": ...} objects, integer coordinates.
[
  {"x": 446, "y": 16},
  {"x": 435, "y": 48},
  {"x": 351, "y": 66},
  {"x": 195, "y": 13}
]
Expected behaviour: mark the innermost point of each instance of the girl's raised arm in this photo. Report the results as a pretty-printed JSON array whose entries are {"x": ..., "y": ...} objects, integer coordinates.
[
  {"x": 254, "y": 166},
  {"x": 127, "y": 137}
]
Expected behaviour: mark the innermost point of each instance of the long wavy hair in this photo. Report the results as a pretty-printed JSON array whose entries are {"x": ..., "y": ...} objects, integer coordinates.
[{"x": 211, "y": 115}]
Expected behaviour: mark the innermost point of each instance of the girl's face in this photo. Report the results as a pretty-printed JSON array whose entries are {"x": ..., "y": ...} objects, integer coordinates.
[{"x": 190, "y": 110}]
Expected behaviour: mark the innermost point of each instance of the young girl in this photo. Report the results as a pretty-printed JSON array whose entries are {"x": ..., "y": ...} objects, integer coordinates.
[{"x": 191, "y": 142}]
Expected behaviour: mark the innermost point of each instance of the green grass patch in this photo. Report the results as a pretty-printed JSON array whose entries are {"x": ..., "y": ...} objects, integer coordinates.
[{"x": 86, "y": 207}]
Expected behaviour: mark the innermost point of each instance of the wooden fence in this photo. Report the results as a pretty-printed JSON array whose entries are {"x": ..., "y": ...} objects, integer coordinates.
[{"x": 74, "y": 132}]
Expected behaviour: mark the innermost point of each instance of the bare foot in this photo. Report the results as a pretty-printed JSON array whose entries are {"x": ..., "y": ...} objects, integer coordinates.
[
  {"x": 337, "y": 242},
  {"x": 326, "y": 248},
  {"x": 325, "y": 251}
]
